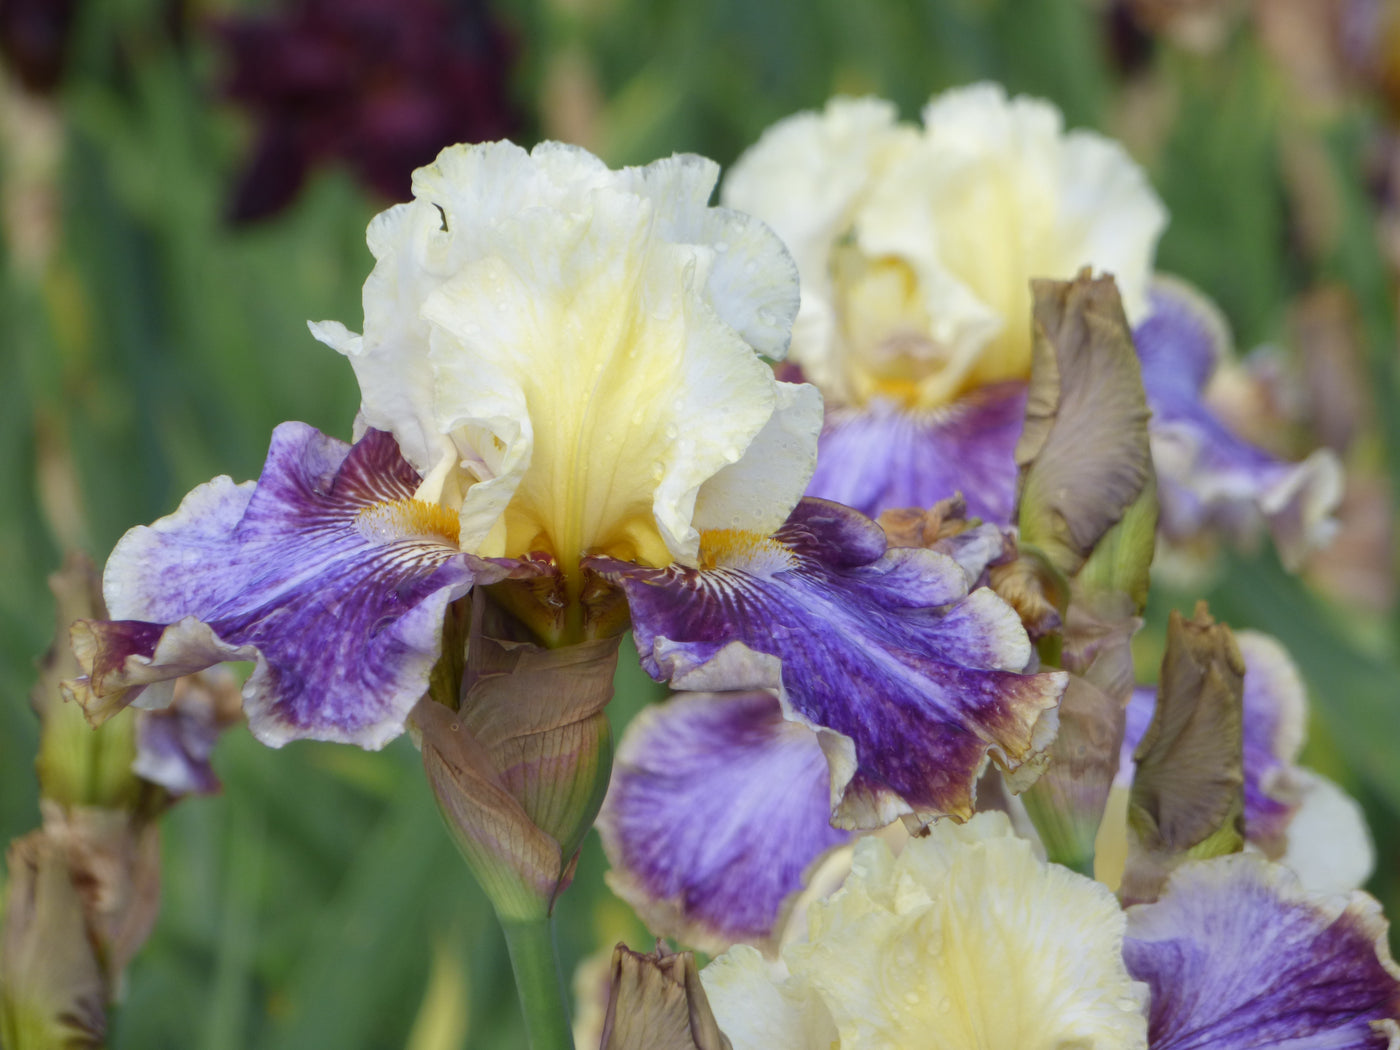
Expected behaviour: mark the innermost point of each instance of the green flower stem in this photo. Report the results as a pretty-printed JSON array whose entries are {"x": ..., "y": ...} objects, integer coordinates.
[{"x": 539, "y": 983}]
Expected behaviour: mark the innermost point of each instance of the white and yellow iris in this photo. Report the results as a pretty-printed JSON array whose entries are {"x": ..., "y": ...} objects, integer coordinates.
[
  {"x": 569, "y": 355},
  {"x": 965, "y": 941},
  {"x": 917, "y": 246}
]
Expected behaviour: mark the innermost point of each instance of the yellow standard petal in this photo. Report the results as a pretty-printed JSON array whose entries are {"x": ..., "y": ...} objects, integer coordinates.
[
  {"x": 570, "y": 355},
  {"x": 965, "y": 941}
]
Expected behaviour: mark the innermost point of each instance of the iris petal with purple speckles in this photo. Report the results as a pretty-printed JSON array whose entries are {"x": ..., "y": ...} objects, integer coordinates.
[
  {"x": 344, "y": 619},
  {"x": 1238, "y": 957},
  {"x": 916, "y": 681},
  {"x": 1208, "y": 476},
  {"x": 883, "y": 456},
  {"x": 717, "y": 807}
]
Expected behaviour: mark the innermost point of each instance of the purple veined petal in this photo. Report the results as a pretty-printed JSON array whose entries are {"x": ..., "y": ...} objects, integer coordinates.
[
  {"x": 718, "y": 807},
  {"x": 1207, "y": 475},
  {"x": 1239, "y": 957},
  {"x": 883, "y": 456},
  {"x": 911, "y": 682},
  {"x": 327, "y": 573},
  {"x": 1275, "y": 715}
]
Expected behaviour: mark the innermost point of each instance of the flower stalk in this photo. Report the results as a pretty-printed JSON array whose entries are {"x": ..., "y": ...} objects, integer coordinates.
[{"x": 539, "y": 982}]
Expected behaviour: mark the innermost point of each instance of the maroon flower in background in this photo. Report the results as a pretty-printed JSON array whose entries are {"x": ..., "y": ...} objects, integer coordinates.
[
  {"x": 382, "y": 85},
  {"x": 34, "y": 37}
]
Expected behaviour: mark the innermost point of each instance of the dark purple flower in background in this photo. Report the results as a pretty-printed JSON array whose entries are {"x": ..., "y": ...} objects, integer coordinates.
[
  {"x": 381, "y": 85},
  {"x": 34, "y": 36}
]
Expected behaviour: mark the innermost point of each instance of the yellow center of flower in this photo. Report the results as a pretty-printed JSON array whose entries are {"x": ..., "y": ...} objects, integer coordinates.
[
  {"x": 739, "y": 549},
  {"x": 403, "y": 519}
]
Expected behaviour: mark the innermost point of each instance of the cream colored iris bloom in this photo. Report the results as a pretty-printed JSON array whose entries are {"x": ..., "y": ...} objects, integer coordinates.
[
  {"x": 965, "y": 940},
  {"x": 569, "y": 355},
  {"x": 917, "y": 246}
]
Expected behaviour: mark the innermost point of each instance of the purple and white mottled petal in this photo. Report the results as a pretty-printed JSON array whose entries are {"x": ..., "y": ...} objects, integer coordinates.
[
  {"x": 327, "y": 573},
  {"x": 173, "y": 751},
  {"x": 174, "y": 745},
  {"x": 1208, "y": 476},
  {"x": 1275, "y": 716},
  {"x": 1275, "y": 724},
  {"x": 882, "y": 649},
  {"x": 883, "y": 456},
  {"x": 718, "y": 807},
  {"x": 1238, "y": 956}
]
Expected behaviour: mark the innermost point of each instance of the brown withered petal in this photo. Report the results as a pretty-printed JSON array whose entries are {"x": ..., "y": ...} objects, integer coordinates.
[
  {"x": 920, "y": 527},
  {"x": 520, "y": 769},
  {"x": 75, "y": 765},
  {"x": 1187, "y": 797},
  {"x": 1326, "y": 328},
  {"x": 114, "y": 862},
  {"x": 77, "y": 591},
  {"x": 1036, "y": 591},
  {"x": 52, "y": 993},
  {"x": 1083, "y": 454},
  {"x": 658, "y": 1003}
]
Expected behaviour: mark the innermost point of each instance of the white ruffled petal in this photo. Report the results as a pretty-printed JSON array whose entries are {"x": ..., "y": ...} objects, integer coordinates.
[
  {"x": 1329, "y": 846},
  {"x": 804, "y": 178},
  {"x": 779, "y": 463},
  {"x": 568, "y": 354},
  {"x": 759, "y": 1007},
  {"x": 965, "y": 940}
]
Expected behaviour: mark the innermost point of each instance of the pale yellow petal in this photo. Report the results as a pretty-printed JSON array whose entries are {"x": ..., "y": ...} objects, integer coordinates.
[
  {"x": 567, "y": 354},
  {"x": 967, "y": 940},
  {"x": 917, "y": 247},
  {"x": 804, "y": 177},
  {"x": 996, "y": 194},
  {"x": 758, "y": 1007},
  {"x": 964, "y": 941},
  {"x": 778, "y": 463}
]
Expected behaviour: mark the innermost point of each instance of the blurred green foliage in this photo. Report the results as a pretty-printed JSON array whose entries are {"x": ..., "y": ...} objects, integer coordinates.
[{"x": 157, "y": 347}]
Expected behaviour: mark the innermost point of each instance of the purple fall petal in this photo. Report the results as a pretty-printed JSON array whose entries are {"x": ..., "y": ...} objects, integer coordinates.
[
  {"x": 911, "y": 682},
  {"x": 327, "y": 573},
  {"x": 1208, "y": 476},
  {"x": 1238, "y": 957},
  {"x": 883, "y": 456},
  {"x": 717, "y": 808},
  {"x": 174, "y": 744}
]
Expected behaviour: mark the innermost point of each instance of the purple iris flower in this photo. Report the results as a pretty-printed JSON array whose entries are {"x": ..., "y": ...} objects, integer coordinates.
[{"x": 563, "y": 398}]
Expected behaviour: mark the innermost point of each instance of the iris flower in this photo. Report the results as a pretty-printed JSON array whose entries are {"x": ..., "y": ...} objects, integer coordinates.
[
  {"x": 916, "y": 246},
  {"x": 965, "y": 940},
  {"x": 564, "y": 400}
]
